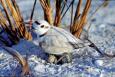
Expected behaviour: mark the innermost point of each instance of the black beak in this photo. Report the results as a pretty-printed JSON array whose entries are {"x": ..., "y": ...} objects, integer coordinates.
[{"x": 31, "y": 28}]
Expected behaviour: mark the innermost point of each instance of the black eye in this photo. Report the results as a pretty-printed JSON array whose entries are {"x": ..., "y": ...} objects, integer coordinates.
[
  {"x": 37, "y": 22},
  {"x": 42, "y": 26}
]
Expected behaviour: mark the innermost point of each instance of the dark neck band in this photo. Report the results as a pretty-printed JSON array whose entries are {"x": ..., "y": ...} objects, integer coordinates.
[{"x": 43, "y": 34}]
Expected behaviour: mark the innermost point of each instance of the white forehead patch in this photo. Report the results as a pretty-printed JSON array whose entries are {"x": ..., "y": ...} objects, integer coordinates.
[{"x": 41, "y": 27}]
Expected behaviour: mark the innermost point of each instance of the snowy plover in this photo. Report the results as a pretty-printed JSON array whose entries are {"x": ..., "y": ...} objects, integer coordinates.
[{"x": 56, "y": 41}]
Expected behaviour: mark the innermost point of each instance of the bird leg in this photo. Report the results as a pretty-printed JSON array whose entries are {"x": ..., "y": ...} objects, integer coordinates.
[
  {"x": 65, "y": 58},
  {"x": 60, "y": 59}
]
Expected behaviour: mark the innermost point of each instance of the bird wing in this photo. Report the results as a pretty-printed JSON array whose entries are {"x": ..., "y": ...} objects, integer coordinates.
[{"x": 68, "y": 37}]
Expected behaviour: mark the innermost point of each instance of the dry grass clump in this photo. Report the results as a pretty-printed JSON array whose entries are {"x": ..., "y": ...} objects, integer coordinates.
[
  {"x": 47, "y": 10},
  {"x": 12, "y": 22},
  {"x": 79, "y": 19}
]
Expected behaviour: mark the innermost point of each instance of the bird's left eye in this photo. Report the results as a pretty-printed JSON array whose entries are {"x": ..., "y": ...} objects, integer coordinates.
[{"x": 42, "y": 26}]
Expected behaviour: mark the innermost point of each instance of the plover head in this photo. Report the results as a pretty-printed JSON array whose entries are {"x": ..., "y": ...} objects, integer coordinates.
[{"x": 40, "y": 27}]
